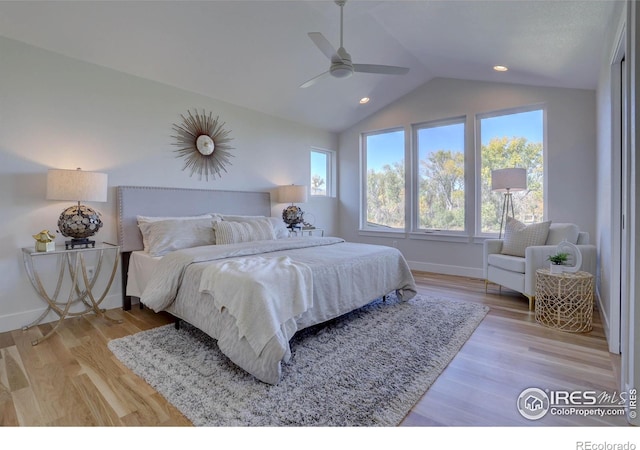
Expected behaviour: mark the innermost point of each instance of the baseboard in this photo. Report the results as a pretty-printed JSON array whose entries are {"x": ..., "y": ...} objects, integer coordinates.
[
  {"x": 11, "y": 322},
  {"x": 445, "y": 269}
]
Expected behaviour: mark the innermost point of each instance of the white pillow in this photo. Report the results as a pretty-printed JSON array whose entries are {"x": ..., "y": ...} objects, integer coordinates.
[
  {"x": 279, "y": 227},
  {"x": 228, "y": 232},
  {"x": 164, "y": 236},
  {"x": 518, "y": 236},
  {"x": 559, "y": 232},
  {"x": 147, "y": 219}
]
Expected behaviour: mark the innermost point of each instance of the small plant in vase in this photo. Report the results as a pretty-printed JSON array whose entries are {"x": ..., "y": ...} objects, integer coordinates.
[{"x": 557, "y": 261}]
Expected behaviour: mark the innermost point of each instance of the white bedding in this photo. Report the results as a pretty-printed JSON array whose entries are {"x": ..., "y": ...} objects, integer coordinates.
[
  {"x": 344, "y": 276},
  {"x": 141, "y": 266},
  {"x": 263, "y": 294}
]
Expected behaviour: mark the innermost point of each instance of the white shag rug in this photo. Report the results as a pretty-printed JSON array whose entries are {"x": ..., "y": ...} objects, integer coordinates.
[{"x": 367, "y": 368}]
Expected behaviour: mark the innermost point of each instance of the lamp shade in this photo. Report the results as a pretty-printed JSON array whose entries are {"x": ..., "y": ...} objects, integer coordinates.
[
  {"x": 76, "y": 185},
  {"x": 511, "y": 179},
  {"x": 292, "y": 194}
]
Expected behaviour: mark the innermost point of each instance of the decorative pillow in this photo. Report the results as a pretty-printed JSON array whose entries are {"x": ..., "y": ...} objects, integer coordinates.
[
  {"x": 147, "y": 219},
  {"x": 279, "y": 227},
  {"x": 518, "y": 236},
  {"x": 164, "y": 236},
  {"x": 228, "y": 232},
  {"x": 559, "y": 232}
]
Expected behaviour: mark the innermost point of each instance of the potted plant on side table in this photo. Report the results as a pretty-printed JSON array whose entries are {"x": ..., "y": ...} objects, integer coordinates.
[{"x": 557, "y": 261}]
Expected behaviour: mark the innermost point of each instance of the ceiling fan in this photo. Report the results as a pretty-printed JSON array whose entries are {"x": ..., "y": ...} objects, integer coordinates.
[{"x": 341, "y": 65}]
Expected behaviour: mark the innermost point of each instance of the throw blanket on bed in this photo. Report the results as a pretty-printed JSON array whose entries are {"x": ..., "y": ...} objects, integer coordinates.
[
  {"x": 262, "y": 294},
  {"x": 163, "y": 286}
]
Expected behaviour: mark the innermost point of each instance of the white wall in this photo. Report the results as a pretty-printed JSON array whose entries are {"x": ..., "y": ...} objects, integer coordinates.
[
  {"x": 570, "y": 154},
  {"x": 58, "y": 112}
]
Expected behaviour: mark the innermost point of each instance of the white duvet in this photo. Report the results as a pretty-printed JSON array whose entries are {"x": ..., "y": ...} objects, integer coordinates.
[{"x": 253, "y": 297}]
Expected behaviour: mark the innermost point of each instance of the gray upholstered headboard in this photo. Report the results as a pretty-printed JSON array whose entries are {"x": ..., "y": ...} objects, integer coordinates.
[{"x": 133, "y": 201}]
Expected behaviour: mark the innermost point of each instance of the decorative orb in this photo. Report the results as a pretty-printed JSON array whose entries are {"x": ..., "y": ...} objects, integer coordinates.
[
  {"x": 292, "y": 215},
  {"x": 79, "y": 222}
]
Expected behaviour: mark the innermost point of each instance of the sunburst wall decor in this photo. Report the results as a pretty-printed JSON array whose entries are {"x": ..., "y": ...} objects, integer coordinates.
[{"x": 204, "y": 143}]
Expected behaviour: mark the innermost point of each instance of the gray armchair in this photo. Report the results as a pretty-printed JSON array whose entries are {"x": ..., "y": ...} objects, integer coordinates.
[{"x": 519, "y": 273}]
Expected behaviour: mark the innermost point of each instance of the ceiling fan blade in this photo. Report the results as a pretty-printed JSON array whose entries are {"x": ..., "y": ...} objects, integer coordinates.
[
  {"x": 376, "y": 68},
  {"x": 322, "y": 43},
  {"x": 315, "y": 79}
]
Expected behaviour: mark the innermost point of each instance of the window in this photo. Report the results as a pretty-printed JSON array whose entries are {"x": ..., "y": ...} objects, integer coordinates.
[
  {"x": 511, "y": 139},
  {"x": 446, "y": 200},
  {"x": 321, "y": 181},
  {"x": 440, "y": 175},
  {"x": 384, "y": 177}
]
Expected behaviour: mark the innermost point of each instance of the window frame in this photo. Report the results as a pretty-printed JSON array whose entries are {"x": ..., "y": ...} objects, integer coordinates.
[
  {"x": 415, "y": 177},
  {"x": 329, "y": 181},
  {"x": 381, "y": 231},
  {"x": 472, "y": 177},
  {"x": 478, "y": 160}
]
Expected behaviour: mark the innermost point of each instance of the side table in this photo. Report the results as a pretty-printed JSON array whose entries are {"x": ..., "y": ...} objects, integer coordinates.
[
  {"x": 564, "y": 301},
  {"x": 82, "y": 283}
]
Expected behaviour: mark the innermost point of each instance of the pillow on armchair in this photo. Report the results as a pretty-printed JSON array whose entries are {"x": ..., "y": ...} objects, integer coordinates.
[
  {"x": 559, "y": 232},
  {"x": 518, "y": 236}
]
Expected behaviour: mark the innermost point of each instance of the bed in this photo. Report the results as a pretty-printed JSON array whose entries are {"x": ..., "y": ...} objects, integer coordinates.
[{"x": 217, "y": 260}]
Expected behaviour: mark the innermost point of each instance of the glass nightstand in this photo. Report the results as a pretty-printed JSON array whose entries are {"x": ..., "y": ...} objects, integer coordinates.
[
  {"x": 74, "y": 273},
  {"x": 298, "y": 232}
]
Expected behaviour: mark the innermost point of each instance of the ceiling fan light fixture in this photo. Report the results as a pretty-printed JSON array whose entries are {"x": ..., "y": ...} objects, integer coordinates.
[{"x": 341, "y": 71}]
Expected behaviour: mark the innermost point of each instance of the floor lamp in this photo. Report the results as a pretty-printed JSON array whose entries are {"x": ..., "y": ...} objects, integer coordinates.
[{"x": 508, "y": 181}]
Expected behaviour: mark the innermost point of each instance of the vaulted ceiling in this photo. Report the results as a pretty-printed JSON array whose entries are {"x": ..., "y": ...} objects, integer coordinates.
[{"x": 256, "y": 54}]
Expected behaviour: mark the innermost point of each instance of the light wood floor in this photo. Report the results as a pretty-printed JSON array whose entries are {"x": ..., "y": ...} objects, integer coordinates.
[{"x": 72, "y": 379}]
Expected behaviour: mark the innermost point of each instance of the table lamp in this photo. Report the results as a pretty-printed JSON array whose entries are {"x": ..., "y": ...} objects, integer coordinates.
[
  {"x": 78, "y": 222},
  {"x": 292, "y": 215}
]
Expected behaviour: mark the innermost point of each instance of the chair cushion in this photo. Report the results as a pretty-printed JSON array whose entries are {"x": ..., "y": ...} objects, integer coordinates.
[
  {"x": 507, "y": 262},
  {"x": 518, "y": 236},
  {"x": 559, "y": 232}
]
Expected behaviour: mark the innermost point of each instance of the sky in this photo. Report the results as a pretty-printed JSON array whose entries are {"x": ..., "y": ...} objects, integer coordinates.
[{"x": 386, "y": 147}]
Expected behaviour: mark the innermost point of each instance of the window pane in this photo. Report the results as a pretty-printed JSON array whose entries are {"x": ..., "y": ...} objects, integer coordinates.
[
  {"x": 385, "y": 193},
  {"x": 441, "y": 177},
  {"x": 319, "y": 179},
  {"x": 512, "y": 140}
]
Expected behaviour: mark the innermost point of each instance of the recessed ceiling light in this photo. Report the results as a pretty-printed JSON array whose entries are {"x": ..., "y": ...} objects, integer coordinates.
[
  {"x": 500, "y": 68},
  {"x": 364, "y": 100}
]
